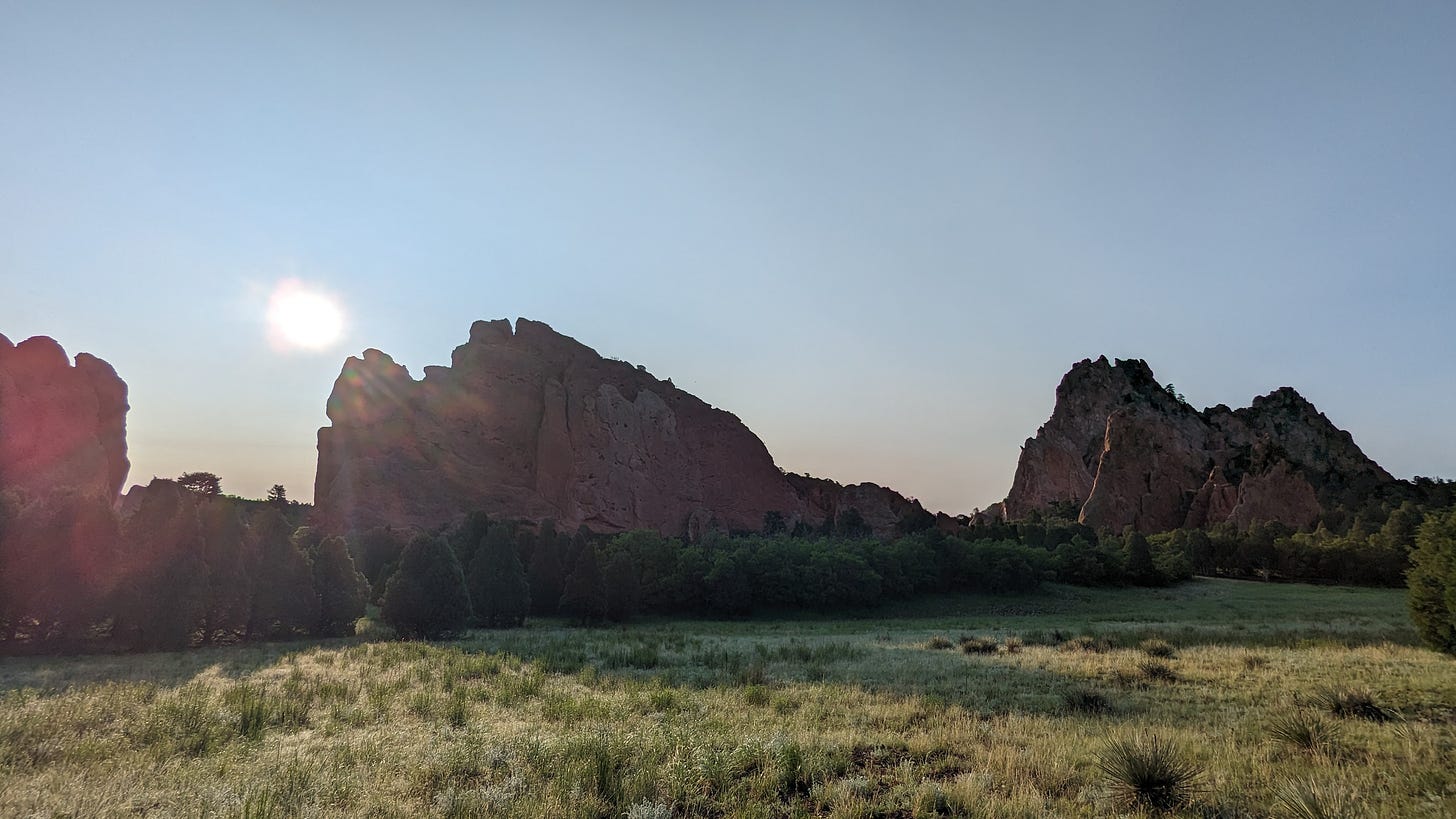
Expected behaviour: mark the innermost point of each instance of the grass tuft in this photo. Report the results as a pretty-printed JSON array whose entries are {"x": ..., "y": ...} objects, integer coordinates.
[
  {"x": 1086, "y": 701},
  {"x": 938, "y": 643},
  {"x": 1306, "y": 732},
  {"x": 1157, "y": 648},
  {"x": 1148, "y": 771},
  {"x": 1357, "y": 703},
  {"x": 978, "y": 645},
  {"x": 1304, "y": 799}
]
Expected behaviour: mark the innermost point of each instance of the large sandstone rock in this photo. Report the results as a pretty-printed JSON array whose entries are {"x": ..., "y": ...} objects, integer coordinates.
[
  {"x": 1125, "y": 451},
  {"x": 529, "y": 423},
  {"x": 62, "y": 426}
]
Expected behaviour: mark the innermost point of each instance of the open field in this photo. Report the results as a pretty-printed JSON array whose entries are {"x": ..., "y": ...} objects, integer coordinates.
[{"x": 800, "y": 716}]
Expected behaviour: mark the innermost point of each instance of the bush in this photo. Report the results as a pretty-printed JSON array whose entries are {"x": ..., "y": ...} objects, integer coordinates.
[
  {"x": 938, "y": 643},
  {"x": 426, "y": 597},
  {"x": 1157, "y": 671},
  {"x": 1148, "y": 771}
]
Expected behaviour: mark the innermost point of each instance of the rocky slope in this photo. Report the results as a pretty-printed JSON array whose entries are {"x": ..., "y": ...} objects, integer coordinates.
[
  {"x": 532, "y": 424},
  {"x": 1126, "y": 452},
  {"x": 61, "y": 425}
]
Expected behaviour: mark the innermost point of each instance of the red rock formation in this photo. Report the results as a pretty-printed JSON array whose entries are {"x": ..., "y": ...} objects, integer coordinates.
[
  {"x": 1130, "y": 453},
  {"x": 61, "y": 426},
  {"x": 532, "y": 424}
]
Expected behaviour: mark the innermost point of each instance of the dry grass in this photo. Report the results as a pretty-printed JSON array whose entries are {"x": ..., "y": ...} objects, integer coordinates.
[{"x": 804, "y": 717}]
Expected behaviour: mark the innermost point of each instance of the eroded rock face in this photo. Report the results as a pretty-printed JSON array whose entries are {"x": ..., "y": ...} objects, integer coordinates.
[
  {"x": 61, "y": 425},
  {"x": 1127, "y": 452},
  {"x": 531, "y": 424}
]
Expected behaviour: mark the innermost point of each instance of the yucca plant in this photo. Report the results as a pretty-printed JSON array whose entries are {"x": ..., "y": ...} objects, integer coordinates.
[
  {"x": 1157, "y": 671},
  {"x": 1148, "y": 771},
  {"x": 1352, "y": 702},
  {"x": 1305, "y": 732}
]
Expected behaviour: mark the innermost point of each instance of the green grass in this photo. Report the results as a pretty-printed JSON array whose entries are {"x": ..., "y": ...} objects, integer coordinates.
[{"x": 776, "y": 716}]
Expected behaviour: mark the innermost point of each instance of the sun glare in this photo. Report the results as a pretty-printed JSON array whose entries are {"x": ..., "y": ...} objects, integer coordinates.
[{"x": 302, "y": 317}]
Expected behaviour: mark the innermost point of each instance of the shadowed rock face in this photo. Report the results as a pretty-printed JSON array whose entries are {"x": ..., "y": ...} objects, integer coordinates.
[
  {"x": 61, "y": 425},
  {"x": 1129, "y": 453},
  {"x": 532, "y": 424}
]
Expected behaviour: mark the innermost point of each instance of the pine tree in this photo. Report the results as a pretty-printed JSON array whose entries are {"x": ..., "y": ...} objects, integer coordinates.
[
  {"x": 548, "y": 570},
  {"x": 228, "y": 596},
  {"x": 1432, "y": 581},
  {"x": 499, "y": 593},
  {"x": 426, "y": 597},
  {"x": 284, "y": 601},
  {"x": 341, "y": 590},
  {"x": 583, "y": 596},
  {"x": 163, "y": 601},
  {"x": 1139, "y": 560},
  {"x": 623, "y": 587}
]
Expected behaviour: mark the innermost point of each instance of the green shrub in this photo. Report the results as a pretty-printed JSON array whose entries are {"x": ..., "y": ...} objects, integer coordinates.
[{"x": 1148, "y": 771}]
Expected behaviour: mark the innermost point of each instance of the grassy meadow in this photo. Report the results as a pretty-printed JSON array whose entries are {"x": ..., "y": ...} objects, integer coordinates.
[{"x": 1295, "y": 701}]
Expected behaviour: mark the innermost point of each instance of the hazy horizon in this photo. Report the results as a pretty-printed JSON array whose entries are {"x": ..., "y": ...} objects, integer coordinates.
[{"x": 878, "y": 235}]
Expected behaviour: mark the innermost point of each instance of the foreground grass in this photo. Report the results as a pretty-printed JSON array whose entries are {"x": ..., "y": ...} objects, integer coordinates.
[{"x": 763, "y": 718}]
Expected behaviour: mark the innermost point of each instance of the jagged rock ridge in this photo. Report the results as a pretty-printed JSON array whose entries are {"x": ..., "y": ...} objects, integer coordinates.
[
  {"x": 62, "y": 426},
  {"x": 1125, "y": 451},
  {"x": 532, "y": 424}
]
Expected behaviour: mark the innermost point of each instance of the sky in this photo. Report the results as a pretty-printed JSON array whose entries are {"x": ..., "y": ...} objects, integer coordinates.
[{"x": 879, "y": 233}]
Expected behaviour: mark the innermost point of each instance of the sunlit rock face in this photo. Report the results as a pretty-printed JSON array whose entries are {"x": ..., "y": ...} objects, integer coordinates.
[
  {"x": 1126, "y": 452},
  {"x": 62, "y": 426},
  {"x": 528, "y": 423}
]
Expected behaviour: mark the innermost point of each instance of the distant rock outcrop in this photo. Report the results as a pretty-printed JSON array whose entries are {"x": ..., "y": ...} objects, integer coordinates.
[
  {"x": 1125, "y": 451},
  {"x": 61, "y": 426},
  {"x": 532, "y": 424}
]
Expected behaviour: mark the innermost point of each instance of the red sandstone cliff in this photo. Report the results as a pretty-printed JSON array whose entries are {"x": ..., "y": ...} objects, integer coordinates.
[
  {"x": 61, "y": 426},
  {"x": 533, "y": 424},
  {"x": 1127, "y": 452}
]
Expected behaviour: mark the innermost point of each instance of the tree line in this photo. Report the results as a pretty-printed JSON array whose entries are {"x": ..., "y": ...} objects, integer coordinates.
[
  {"x": 188, "y": 567},
  {"x": 192, "y": 567}
]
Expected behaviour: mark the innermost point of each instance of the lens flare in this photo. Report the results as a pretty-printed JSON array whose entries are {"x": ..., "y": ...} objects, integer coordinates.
[{"x": 303, "y": 317}]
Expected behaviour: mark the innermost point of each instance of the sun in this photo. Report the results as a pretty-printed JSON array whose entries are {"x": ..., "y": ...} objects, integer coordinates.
[{"x": 303, "y": 317}]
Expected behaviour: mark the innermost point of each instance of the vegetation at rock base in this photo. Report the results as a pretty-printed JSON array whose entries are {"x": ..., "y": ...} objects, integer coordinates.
[{"x": 788, "y": 715}]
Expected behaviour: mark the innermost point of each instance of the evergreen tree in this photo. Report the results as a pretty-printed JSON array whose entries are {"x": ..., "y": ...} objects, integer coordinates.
[
  {"x": 284, "y": 601},
  {"x": 426, "y": 597},
  {"x": 342, "y": 591},
  {"x": 499, "y": 593},
  {"x": 548, "y": 570},
  {"x": 1138, "y": 556},
  {"x": 583, "y": 596},
  {"x": 376, "y": 551},
  {"x": 163, "y": 602},
  {"x": 467, "y": 536},
  {"x": 622, "y": 586},
  {"x": 227, "y": 601},
  {"x": 1432, "y": 581}
]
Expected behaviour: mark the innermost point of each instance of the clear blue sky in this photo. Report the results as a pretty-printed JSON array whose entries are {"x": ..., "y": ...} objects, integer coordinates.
[{"x": 879, "y": 233}]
